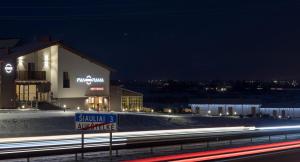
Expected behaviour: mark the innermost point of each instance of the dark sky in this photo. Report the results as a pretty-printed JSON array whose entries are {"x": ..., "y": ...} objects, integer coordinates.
[{"x": 170, "y": 39}]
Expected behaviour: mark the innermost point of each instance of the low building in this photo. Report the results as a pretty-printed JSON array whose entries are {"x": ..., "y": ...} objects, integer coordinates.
[
  {"x": 47, "y": 71},
  {"x": 126, "y": 99},
  {"x": 225, "y": 107},
  {"x": 281, "y": 110}
]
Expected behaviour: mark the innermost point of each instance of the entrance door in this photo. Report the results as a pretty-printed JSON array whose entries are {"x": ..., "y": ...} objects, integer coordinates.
[
  {"x": 98, "y": 103},
  {"x": 230, "y": 111},
  {"x": 274, "y": 113},
  {"x": 253, "y": 110},
  {"x": 220, "y": 110},
  {"x": 283, "y": 113}
]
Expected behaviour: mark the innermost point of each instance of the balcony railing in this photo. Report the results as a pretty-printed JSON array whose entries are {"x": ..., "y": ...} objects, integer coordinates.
[{"x": 31, "y": 75}]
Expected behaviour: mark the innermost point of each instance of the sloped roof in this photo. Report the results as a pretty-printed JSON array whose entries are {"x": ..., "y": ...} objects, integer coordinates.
[
  {"x": 127, "y": 92},
  {"x": 39, "y": 45},
  {"x": 225, "y": 101}
]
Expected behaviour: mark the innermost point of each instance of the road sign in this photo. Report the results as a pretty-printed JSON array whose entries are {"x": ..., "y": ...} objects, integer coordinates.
[{"x": 95, "y": 121}]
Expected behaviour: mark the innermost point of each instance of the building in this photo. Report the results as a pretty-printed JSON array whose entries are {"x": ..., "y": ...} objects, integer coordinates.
[
  {"x": 234, "y": 107},
  {"x": 126, "y": 99},
  {"x": 281, "y": 110},
  {"x": 52, "y": 72},
  {"x": 225, "y": 107}
]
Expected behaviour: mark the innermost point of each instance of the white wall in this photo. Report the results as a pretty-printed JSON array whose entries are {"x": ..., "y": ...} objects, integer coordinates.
[
  {"x": 41, "y": 58},
  {"x": 289, "y": 112},
  {"x": 243, "y": 109},
  {"x": 77, "y": 66},
  {"x": 54, "y": 70}
]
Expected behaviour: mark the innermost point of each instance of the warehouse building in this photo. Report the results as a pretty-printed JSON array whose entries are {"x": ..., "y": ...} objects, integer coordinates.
[
  {"x": 245, "y": 107},
  {"x": 225, "y": 107},
  {"x": 52, "y": 72}
]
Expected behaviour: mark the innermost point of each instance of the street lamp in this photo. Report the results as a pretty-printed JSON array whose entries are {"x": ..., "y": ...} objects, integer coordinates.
[{"x": 64, "y": 107}]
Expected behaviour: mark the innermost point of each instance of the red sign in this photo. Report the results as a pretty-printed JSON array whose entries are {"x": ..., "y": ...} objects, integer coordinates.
[{"x": 97, "y": 88}]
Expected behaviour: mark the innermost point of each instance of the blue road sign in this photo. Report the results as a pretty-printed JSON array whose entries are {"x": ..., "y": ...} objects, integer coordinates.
[{"x": 95, "y": 121}]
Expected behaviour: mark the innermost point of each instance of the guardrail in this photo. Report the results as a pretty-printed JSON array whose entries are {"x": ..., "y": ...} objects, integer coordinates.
[{"x": 134, "y": 143}]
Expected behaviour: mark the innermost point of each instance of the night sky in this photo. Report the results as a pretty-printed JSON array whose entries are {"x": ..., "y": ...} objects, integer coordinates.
[{"x": 169, "y": 39}]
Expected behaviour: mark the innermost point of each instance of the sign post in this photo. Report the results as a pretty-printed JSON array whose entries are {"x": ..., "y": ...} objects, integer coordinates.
[
  {"x": 110, "y": 143},
  {"x": 82, "y": 145},
  {"x": 96, "y": 122}
]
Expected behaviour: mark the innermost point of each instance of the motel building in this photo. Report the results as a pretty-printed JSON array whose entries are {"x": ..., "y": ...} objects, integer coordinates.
[{"x": 47, "y": 72}]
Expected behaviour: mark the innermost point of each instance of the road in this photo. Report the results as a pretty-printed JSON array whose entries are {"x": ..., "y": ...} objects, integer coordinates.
[
  {"x": 67, "y": 144},
  {"x": 282, "y": 156},
  {"x": 262, "y": 152}
]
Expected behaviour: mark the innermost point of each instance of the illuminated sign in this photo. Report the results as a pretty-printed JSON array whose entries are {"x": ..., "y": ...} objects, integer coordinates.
[
  {"x": 97, "y": 88},
  {"x": 89, "y": 80},
  {"x": 8, "y": 68}
]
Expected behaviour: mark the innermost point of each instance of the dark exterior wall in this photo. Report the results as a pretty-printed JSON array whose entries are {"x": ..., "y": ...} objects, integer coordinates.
[
  {"x": 115, "y": 98},
  {"x": 8, "y": 87}
]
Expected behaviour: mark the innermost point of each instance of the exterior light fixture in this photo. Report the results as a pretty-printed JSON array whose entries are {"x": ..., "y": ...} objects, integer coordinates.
[
  {"x": 78, "y": 108},
  {"x": 169, "y": 110},
  {"x": 65, "y": 106},
  {"x": 23, "y": 106},
  {"x": 209, "y": 112},
  {"x": 235, "y": 113},
  {"x": 152, "y": 110},
  {"x": 220, "y": 114}
]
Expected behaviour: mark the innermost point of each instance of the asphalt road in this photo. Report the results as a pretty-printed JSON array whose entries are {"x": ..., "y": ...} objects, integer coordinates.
[{"x": 282, "y": 156}]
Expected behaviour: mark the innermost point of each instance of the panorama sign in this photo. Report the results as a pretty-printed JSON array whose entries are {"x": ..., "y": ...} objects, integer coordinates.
[
  {"x": 8, "y": 68},
  {"x": 89, "y": 80},
  {"x": 95, "y": 121}
]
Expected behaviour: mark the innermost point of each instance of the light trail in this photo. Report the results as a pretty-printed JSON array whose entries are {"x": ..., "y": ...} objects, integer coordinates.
[
  {"x": 223, "y": 153},
  {"x": 279, "y": 127},
  {"x": 123, "y": 138}
]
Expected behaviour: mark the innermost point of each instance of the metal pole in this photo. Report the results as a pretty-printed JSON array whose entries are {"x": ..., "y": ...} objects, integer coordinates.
[
  {"x": 82, "y": 145},
  {"x": 110, "y": 143}
]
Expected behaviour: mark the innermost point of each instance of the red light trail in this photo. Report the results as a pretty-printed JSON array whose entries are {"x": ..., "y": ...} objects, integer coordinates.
[{"x": 224, "y": 153}]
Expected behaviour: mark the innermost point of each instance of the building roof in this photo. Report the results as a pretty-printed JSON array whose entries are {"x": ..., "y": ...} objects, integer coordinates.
[
  {"x": 224, "y": 101},
  {"x": 127, "y": 92},
  {"x": 39, "y": 45},
  {"x": 281, "y": 105}
]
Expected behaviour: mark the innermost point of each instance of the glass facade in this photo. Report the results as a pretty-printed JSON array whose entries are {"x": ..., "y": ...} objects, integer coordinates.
[
  {"x": 98, "y": 103},
  {"x": 132, "y": 103},
  {"x": 29, "y": 92}
]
